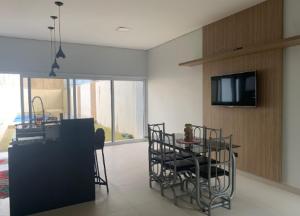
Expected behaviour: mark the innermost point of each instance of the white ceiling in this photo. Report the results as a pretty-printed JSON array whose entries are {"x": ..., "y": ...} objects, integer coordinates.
[{"x": 152, "y": 22}]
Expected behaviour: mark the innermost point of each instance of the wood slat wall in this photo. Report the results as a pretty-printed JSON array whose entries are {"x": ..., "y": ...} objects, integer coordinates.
[
  {"x": 247, "y": 50},
  {"x": 258, "y": 130}
]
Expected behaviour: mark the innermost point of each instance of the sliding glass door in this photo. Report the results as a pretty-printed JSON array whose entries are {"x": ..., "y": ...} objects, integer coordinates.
[
  {"x": 93, "y": 100},
  {"x": 116, "y": 106},
  {"x": 129, "y": 109}
]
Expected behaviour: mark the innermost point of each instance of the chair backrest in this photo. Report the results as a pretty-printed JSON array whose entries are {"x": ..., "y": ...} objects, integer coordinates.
[
  {"x": 220, "y": 150},
  {"x": 198, "y": 132},
  {"x": 155, "y": 137},
  {"x": 156, "y": 127},
  {"x": 99, "y": 138},
  {"x": 155, "y": 132},
  {"x": 155, "y": 153},
  {"x": 168, "y": 144}
]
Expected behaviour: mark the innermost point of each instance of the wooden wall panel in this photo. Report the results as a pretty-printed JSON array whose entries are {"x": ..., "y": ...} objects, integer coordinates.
[
  {"x": 258, "y": 130},
  {"x": 258, "y": 24}
]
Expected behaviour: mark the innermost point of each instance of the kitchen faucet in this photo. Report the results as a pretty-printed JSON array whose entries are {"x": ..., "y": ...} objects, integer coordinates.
[{"x": 42, "y": 105}]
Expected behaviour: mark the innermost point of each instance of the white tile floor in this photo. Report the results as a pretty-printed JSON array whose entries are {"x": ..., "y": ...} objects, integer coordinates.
[{"x": 130, "y": 194}]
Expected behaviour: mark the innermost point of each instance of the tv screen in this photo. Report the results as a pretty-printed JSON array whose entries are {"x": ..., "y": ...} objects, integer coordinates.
[{"x": 234, "y": 89}]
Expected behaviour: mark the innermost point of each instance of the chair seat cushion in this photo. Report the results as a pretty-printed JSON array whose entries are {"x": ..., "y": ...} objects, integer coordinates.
[
  {"x": 215, "y": 172},
  {"x": 180, "y": 165},
  {"x": 185, "y": 155},
  {"x": 202, "y": 160},
  {"x": 168, "y": 157},
  {"x": 157, "y": 151}
]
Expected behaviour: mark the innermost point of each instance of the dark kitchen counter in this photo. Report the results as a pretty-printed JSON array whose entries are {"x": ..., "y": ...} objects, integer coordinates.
[{"x": 45, "y": 175}]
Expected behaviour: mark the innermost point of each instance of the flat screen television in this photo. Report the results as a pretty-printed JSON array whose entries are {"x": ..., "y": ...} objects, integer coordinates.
[{"x": 234, "y": 89}]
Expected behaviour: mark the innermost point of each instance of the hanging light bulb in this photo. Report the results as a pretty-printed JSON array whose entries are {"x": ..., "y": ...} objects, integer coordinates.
[
  {"x": 55, "y": 64},
  {"x": 60, "y": 53},
  {"x": 52, "y": 73}
]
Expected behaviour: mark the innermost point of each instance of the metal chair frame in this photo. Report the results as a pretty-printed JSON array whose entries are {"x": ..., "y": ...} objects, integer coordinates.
[
  {"x": 166, "y": 153},
  {"x": 155, "y": 155},
  {"x": 217, "y": 189},
  {"x": 173, "y": 176}
]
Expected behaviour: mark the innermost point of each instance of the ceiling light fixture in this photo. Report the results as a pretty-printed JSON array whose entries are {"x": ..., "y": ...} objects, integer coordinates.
[
  {"x": 55, "y": 64},
  {"x": 54, "y": 54},
  {"x": 52, "y": 73},
  {"x": 123, "y": 29},
  {"x": 60, "y": 53}
]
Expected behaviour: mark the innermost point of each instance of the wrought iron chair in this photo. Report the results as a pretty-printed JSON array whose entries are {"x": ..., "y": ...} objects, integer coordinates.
[
  {"x": 175, "y": 167},
  {"x": 160, "y": 154},
  {"x": 220, "y": 187},
  {"x": 200, "y": 157},
  {"x": 99, "y": 145},
  {"x": 217, "y": 173},
  {"x": 155, "y": 154}
]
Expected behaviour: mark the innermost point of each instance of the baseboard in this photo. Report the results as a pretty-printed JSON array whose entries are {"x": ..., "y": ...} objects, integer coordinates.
[{"x": 282, "y": 186}]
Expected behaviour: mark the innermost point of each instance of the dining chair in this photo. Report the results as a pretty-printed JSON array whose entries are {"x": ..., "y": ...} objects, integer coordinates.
[
  {"x": 155, "y": 160},
  {"x": 154, "y": 155},
  {"x": 99, "y": 145},
  {"x": 159, "y": 154},
  {"x": 217, "y": 173},
  {"x": 175, "y": 170}
]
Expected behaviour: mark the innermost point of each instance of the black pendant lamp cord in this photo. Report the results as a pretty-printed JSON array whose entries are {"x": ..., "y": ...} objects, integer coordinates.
[
  {"x": 51, "y": 44},
  {"x": 59, "y": 25},
  {"x": 54, "y": 38},
  {"x": 52, "y": 73}
]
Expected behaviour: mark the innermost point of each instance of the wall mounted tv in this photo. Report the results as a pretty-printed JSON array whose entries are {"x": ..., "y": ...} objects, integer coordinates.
[{"x": 234, "y": 89}]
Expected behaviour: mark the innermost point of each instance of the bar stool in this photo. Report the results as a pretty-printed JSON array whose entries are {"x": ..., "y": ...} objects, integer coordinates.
[{"x": 99, "y": 145}]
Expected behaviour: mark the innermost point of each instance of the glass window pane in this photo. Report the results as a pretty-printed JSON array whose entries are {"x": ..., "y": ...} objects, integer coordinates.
[
  {"x": 65, "y": 99},
  {"x": 71, "y": 99},
  {"x": 83, "y": 98},
  {"x": 53, "y": 93},
  {"x": 25, "y": 102},
  {"x": 129, "y": 109},
  {"x": 10, "y": 109},
  {"x": 93, "y": 100}
]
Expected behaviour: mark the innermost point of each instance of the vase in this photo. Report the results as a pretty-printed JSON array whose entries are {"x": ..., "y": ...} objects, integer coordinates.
[{"x": 188, "y": 133}]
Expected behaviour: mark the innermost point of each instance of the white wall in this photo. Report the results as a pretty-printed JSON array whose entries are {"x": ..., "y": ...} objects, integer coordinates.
[
  {"x": 33, "y": 57},
  {"x": 291, "y": 98},
  {"x": 175, "y": 93}
]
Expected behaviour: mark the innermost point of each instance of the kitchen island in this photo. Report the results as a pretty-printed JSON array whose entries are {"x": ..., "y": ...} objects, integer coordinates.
[{"x": 47, "y": 174}]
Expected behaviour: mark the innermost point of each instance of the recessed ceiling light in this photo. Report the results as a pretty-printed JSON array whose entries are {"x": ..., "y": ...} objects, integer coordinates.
[{"x": 123, "y": 29}]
